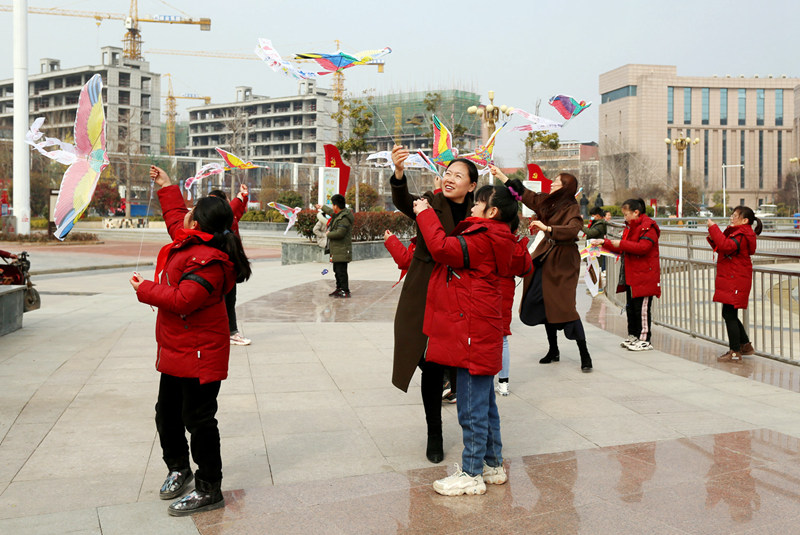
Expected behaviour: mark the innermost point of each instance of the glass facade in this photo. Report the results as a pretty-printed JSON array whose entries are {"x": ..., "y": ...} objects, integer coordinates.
[
  {"x": 780, "y": 160},
  {"x": 742, "y": 106},
  {"x": 705, "y": 92},
  {"x": 723, "y": 106},
  {"x": 741, "y": 157},
  {"x": 670, "y": 105},
  {"x": 724, "y": 146},
  {"x": 779, "y": 108},
  {"x": 687, "y": 105},
  {"x": 705, "y": 158},
  {"x": 622, "y": 92},
  {"x": 759, "y": 107}
]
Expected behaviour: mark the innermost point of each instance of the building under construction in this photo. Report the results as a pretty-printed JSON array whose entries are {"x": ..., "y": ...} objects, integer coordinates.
[
  {"x": 131, "y": 93},
  {"x": 405, "y": 118}
]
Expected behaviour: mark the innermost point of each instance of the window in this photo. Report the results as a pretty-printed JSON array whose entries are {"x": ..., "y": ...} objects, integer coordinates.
[
  {"x": 724, "y": 147},
  {"x": 723, "y": 106},
  {"x": 705, "y": 93},
  {"x": 780, "y": 158},
  {"x": 687, "y": 105},
  {"x": 759, "y": 107},
  {"x": 779, "y": 109},
  {"x": 124, "y": 79},
  {"x": 742, "y": 106},
  {"x": 670, "y": 105},
  {"x": 622, "y": 92},
  {"x": 669, "y": 152},
  {"x": 705, "y": 158},
  {"x": 688, "y": 152},
  {"x": 741, "y": 158},
  {"x": 760, "y": 159},
  {"x": 125, "y": 97}
]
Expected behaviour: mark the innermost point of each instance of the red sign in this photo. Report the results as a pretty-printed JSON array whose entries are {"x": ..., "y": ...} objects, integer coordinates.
[
  {"x": 535, "y": 174},
  {"x": 334, "y": 159}
]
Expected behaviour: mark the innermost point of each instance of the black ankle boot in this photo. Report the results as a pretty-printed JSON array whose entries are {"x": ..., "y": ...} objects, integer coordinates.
[
  {"x": 435, "y": 451},
  {"x": 176, "y": 482},
  {"x": 586, "y": 360},
  {"x": 205, "y": 497},
  {"x": 552, "y": 356}
]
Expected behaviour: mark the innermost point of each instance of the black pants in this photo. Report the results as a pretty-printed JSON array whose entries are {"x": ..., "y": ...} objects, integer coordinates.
[
  {"x": 640, "y": 315},
  {"x": 736, "y": 333},
  {"x": 230, "y": 304},
  {"x": 340, "y": 272},
  {"x": 431, "y": 388},
  {"x": 185, "y": 404}
]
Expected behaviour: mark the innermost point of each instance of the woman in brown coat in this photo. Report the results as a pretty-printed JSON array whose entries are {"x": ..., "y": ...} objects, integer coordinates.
[
  {"x": 549, "y": 293},
  {"x": 452, "y": 205}
]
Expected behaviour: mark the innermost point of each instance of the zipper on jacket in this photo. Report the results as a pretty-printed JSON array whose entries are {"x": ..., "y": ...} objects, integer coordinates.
[{"x": 198, "y": 353}]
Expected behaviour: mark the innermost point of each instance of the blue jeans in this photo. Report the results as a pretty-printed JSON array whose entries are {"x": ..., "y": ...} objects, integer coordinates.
[
  {"x": 480, "y": 422},
  {"x": 506, "y": 358}
]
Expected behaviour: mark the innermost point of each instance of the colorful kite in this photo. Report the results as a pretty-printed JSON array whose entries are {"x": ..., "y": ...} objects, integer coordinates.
[
  {"x": 286, "y": 211},
  {"x": 538, "y": 124},
  {"x": 86, "y": 159},
  {"x": 265, "y": 51},
  {"x": 567, "y": 106},
  {"x": 592, "y": 275},
  {"x": 483, "y": 154},
  {"x": 384, "y": 159},
  {"x": 341, "y": 60},
  {"x": 234, "y": 162},
  {"x": 596, "y": 251},
  {"x": 205, "y": 171},
  {"x": 443, "y": 151}
]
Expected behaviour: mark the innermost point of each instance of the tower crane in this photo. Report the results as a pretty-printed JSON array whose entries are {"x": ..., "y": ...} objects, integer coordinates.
[
  {"x": 171, "y": 113},
  {"x": 133, "y": 36}
]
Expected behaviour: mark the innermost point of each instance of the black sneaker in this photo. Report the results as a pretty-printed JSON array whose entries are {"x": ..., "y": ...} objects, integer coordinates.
[
  {"x": 175, "y": 484},
  {"x": 205, "y": 497},
  {"x": 343, "y": 294},
  {"x": 334, "y": 293}
]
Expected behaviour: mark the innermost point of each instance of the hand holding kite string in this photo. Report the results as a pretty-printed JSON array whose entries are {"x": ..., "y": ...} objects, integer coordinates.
[
  {"x": 286, "y": 211},
  {"x": 160, "y": 177},
  {"x": 399, "y": 157}
]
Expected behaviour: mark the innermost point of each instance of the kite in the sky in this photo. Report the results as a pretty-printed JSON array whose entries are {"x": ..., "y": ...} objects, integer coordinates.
[
  {"x": 340, "y": 60},
  {"x": 86, "y": 159},
  {"x": 483, "y": 155},
  {"x": 443, "y": 151},
  {"x": 537, "y": 124},
  {"x": 205, "y": 171},
  {"x": 265, "y": 51},
  {"x": 567, "y": 106},
  {"x": 414, "y": 160},
  {"x": 234, "y": 162},
  {"x": 286, "y": 211}
]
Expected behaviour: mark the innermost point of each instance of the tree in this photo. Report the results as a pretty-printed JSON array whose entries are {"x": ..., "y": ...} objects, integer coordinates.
[
  {"x": 356, "y": 112},
  {"x": 367, "y": 197},
  {"x": 458, "y": 133},
  {"x": 540, "y": 146},
  {"x": 432, "y": 102},
  {"x": 291, "y": 198},
  {"x": 237, "y": 125},
  {"x": 106, "y": 197},
  {"x": 790, "y": 193}
]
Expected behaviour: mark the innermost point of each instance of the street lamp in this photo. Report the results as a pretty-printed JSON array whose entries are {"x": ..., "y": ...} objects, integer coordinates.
[
  {"x": 724, "y": 185},
  {"x": 681, "y": 144},
  {"x": 490, "y": 114}
]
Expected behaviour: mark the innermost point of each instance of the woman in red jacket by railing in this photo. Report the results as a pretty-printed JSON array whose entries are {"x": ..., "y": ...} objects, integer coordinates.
[{"x": 734, "y": 247}]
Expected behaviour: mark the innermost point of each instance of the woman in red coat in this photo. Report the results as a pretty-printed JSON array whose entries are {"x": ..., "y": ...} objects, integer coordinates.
[
  {"x": 193, "y": 274},
  {"x": 464, "y": 325},
  {"x": 734, "y": 275},
  {"x": 640, "y": 274}
]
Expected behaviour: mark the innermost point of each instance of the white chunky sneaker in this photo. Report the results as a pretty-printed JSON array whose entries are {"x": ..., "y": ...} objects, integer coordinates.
[
  {"x": 239, "y": 340},
  {"x": 460, "y": 483},
  {"x": 495, "y": 475},
  {"x": 502, "y": 388},
  {"x": 640, "y": 345},
  {"x": 628, "y": 341}
]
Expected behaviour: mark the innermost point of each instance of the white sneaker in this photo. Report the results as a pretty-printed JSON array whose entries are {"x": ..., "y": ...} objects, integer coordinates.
[
  {"x": 640, "y": 345},
  {"x": 239, "y": 340},
  {"x": 460, "y": 483},
  {"x": 628, "y": 341},
  {"x": 502, "y": 388},
  {"x": 495, "y": 475}
]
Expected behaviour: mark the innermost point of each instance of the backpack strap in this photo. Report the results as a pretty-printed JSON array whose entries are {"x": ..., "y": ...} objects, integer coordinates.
[{"x": 192, "y": 276}]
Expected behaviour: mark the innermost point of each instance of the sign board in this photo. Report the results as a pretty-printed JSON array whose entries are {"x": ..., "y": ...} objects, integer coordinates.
[
  {"x": 328, "y": 184},
  {"x": 536, "y": 187}
]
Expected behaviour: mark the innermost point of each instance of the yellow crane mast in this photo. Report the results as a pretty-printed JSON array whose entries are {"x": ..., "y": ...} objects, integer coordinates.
[{"x": 171, "y": 113}]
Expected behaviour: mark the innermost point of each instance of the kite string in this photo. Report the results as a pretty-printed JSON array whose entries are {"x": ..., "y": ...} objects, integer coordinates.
[{"x": 147, "y": 214}]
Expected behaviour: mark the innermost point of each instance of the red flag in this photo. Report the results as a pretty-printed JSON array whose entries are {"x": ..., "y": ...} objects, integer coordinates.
[
  {"x": 535, "y": 173},
  {"x": 334, "y": 159}
]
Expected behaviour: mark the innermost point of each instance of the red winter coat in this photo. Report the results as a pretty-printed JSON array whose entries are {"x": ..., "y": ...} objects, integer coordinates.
[
  {"x": 734, "y": 267},
  {"x": 639, "y": 244},
  {"x": 400, "y": 254},
  {"x": 519, "y": 266},
  {"x": 239, "y": 207},
  {"x": 463, "y": 310},
  {"x": 192, "y": 324}
]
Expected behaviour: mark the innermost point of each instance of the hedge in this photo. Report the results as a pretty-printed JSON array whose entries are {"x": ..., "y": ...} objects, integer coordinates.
[{"x": 368, "y": 226}]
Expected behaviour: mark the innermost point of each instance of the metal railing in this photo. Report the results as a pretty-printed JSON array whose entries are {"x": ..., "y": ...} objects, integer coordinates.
[{"x": 688, "y": 270}]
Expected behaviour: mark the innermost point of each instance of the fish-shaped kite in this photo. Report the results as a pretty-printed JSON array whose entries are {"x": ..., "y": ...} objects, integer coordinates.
[
  {"x": 234, "y": 162},
  {"x": 265, "y": 51},
  {"x": 340, "y": 61},
  {"x": 286, "y": 211},
  {"x": 537, "y": 124},
  {"x": 86, "y": 159},
  {"x": 384, "y": 159},
  {"x": 567, "y": 106}
]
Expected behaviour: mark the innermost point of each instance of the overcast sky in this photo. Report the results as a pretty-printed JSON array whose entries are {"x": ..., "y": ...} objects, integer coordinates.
[{"x": 522, "y": 49}]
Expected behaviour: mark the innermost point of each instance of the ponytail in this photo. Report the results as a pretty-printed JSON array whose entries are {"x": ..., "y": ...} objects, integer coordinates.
[
  {"x": 747, "y": 213},
  {"x": 215, "y": 216},
  {"x": 229, "y": 243}
]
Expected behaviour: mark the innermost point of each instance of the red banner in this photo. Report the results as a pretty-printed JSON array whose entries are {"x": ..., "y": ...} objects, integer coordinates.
[
  {"x": 334, "y": 159},
  {"x": 535, "y": 174}
]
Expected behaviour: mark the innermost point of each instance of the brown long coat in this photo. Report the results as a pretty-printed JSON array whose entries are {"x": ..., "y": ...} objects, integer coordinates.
[
  {"x": 562, "y": 261},
  {"x": 409, "y": 341}
]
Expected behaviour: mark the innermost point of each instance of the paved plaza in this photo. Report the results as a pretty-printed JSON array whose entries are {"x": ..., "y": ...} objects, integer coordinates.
[{"x": 315, "y": 439}]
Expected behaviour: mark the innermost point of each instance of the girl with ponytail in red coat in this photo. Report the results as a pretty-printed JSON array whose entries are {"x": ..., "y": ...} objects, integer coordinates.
[{"x": 734, "y": 247}]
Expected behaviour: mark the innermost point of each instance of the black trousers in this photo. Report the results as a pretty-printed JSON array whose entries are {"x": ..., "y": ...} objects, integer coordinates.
[
  {"x": 736, "y": 333},
  {"x": 340, "y": 272},
  {"x": 640, "y": 315},
  {"x": 431, "y": 388},
  {"x": 230, "y": 305},
  {"x": 186, "y": 405}
]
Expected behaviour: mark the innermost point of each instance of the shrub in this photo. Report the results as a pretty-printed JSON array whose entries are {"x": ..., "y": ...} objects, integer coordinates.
[
  {"x": 42, "y": 237},
  {"x": 368, "y": 226}
]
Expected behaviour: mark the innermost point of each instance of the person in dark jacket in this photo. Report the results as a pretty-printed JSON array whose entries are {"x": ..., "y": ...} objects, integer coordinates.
[
  {"x": 597, "y": 229},
  {"x": 640, "y": 274},
  {"x": 734, "y": 247},
  {"x": 451, "y": 205},
  {"x": 340, "y": 242},
  {"x": 193, "y": 274}
]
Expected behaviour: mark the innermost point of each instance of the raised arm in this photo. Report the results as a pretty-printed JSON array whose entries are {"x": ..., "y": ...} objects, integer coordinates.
[{"x": 722, "y": 244}]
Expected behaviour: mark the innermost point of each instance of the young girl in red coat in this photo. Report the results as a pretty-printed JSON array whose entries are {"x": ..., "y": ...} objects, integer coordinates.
[
  {"x": 734, "y": 275},
  {"x": 193, "y": 274},
  {"x": 640, "y": 274},
  {"x": 464, "y": 325}
]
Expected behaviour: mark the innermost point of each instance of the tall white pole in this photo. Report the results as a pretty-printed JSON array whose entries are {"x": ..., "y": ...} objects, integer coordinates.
[
  {"x": 680, "y": 191},
  {"x": 724, "y": 201},
  {"x": 22, "y": 172}
]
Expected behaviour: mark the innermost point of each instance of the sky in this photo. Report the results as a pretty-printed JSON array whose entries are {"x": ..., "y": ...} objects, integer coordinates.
[{"x": 524, "y": 50}]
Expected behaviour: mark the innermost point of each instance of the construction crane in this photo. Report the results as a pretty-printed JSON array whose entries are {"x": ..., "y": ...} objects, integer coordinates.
[
  {"x": 171, "y": 113},
  {"x": 133, "y": 36}
]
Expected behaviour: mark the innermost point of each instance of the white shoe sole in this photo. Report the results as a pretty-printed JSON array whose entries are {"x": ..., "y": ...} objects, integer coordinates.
[{"x": 458, "y": 492}]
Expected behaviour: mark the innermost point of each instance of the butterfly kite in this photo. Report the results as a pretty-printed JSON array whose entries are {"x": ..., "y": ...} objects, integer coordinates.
[
  {"x": 265, "y": 51},
  {"x": 234, "y": 162},
  {"x": 286, "y": 211},
  {"x": 340, "y": 60},
  {"x": 86, "y": 159},
  {"x": 537, "y": 124},
  {"x": 483, "y": 154},
  {"x": 567, "y": 106},
  {"x": 205, "y": 171}
]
